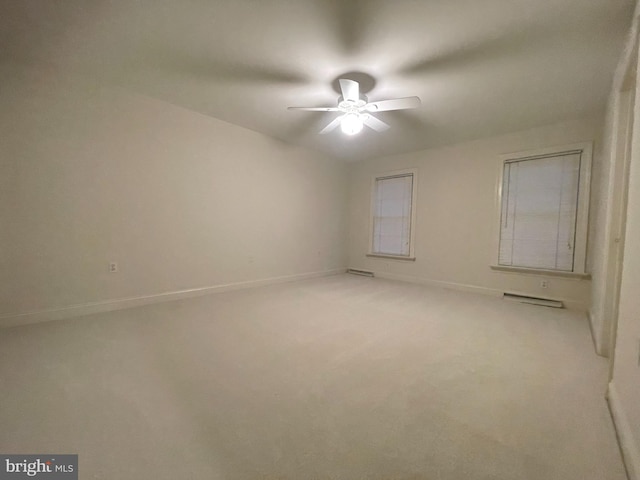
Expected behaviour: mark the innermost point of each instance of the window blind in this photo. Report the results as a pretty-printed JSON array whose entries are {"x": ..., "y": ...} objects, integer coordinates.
[
  {"x": 539, "y": 208},
  {"x": 392, "y": 215}
]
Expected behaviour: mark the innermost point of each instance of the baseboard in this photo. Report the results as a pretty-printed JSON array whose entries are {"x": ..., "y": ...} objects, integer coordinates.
[
  {"x": 569, "y": 304},
  {"x": 438, "y": 283},
  {"x": 11, "y": 320},
  {"x": 628, "y": 443}
]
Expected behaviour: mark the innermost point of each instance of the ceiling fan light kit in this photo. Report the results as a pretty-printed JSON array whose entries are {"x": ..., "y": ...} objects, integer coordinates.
[
  {"x": 351, "y": 124},
  {"x": 355, "y": 110}
]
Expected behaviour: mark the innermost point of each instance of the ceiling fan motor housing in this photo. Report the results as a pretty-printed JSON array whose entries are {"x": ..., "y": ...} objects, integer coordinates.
[{"x": 352, "y": 106}]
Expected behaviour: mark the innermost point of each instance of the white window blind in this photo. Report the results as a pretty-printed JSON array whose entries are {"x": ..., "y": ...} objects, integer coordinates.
[
  {"x": 539, "y": 211},
  {"x": 392, "y": 215}
]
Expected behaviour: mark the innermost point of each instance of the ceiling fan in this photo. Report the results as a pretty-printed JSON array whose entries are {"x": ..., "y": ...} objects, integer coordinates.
[{"x": 357, "y": 109}]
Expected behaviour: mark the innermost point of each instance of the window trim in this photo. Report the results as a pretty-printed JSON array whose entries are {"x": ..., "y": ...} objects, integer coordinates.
[
  {"x": 582, "y": 214},
  {"x": 412, "y": 219}
]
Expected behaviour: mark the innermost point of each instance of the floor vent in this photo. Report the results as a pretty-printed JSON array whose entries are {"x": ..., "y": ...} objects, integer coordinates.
[
  {"x": 545, "y": 302},
  {"x": 364, "y": 273}
]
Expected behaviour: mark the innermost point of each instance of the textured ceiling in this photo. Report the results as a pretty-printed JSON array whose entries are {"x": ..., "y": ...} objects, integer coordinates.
[{"x": 481, "y": 67}]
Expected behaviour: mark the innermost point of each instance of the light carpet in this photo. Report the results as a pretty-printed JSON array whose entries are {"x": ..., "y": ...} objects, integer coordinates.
[{"x": 341, "y": 377}]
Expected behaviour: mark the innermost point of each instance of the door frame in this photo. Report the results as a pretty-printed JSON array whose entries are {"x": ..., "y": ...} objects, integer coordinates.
[{"x": 622, "y": 138}]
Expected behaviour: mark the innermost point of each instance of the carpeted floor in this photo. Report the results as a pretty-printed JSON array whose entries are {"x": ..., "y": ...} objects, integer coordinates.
[{"x": 341, "y": 377}]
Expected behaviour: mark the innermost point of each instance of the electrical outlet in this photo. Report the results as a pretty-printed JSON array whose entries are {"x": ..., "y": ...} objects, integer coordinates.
[
  {"x": 113, "y": 267},
  {"x": 544, "y": 283}
]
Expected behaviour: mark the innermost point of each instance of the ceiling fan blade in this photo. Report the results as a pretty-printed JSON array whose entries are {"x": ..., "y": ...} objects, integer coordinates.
[
  {"x": 315, "y": 109},
  {"x": 395, "y": 104},
  {"x": 350, "y": 89},
  {"x": 375, "y": 124},
  {"x": 332, "y": 126}
]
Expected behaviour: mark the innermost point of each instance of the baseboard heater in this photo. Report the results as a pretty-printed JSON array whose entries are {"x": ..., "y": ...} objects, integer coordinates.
[
  {"x": 364, "y": 273},
  {"x": 544, "y": 302}
]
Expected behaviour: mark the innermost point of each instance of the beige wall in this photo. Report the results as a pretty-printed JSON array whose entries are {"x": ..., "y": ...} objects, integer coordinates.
[
  {"x": 624, "y": 389},
  {"x": 178, "y": 199},
  {"x": 456, "y": 213}
]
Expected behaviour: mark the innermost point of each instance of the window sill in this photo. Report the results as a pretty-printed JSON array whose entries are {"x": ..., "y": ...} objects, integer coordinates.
[
  {"x": 538, "y": 271},
  {"x": 392, "y": 257}
]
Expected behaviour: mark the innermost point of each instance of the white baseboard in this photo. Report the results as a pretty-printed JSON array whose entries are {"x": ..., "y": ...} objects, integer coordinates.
[
  {"x": 569, "y": 304},
  {"x": 11, "y": 320},
  {"x": 628, "y": 443},
  {"x": 438, "y": 283}
]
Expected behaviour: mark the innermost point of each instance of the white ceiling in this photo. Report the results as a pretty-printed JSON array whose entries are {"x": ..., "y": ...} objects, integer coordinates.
[{"x": 481, "y": 67}]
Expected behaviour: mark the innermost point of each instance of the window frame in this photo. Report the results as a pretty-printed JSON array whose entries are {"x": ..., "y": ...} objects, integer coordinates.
[
  {"x": 412, "y": 218},
  {"x": 582, "y": 213}
]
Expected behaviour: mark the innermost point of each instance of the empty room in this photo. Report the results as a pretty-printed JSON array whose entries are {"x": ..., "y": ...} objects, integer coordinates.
[{"x": 319, "y": 239}]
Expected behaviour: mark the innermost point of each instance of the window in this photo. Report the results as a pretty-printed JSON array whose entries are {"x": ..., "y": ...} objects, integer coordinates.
[
  {"x": 393, "y": 200},
  {"x": 543, "y": 210}
]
